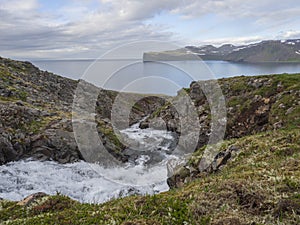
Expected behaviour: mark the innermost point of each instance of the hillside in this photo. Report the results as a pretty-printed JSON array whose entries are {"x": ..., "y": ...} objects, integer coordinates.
[
  {"x": 253, "y": 104},
  {"x": 265, "y": 51},
  {"x": 36, "y": 115},
  {"x": 254, "y": 179}
]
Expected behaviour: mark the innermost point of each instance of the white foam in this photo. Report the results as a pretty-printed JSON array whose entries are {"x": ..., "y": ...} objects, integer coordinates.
[
  {"x": 88, "y": 182},
  {"x": 147, "y": 138},
  {"x": 78, "y": 180}
]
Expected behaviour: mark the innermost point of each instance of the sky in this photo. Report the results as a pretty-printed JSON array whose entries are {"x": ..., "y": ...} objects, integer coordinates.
[{"x": 68, "y": 29}]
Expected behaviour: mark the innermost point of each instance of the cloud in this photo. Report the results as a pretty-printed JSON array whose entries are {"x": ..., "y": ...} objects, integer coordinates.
[
  {"x": 17, "y": 6},
  {"x": 30, "y": 33},
  {"x": 257, "y": 9},
  {"x": 233, "y": 40},
  {"x": 86, "y": 28},
  {"x": 289, "y": 34}
]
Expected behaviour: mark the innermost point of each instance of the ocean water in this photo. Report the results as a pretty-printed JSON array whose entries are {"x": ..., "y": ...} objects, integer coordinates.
[{"x": 157, "y": 77}]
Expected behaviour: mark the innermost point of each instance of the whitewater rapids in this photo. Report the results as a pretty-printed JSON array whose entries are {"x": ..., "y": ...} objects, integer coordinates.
[{"x": 90, "y": 183}]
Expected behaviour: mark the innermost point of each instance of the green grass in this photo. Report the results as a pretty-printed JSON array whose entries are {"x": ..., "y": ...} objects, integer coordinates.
[
  {"x": 260, "y": 184},
  {"x": 109, "y": 133}
]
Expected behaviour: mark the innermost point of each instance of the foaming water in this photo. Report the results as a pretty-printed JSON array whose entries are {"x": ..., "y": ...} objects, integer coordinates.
[
  {"x": 149, "y": 139},
  {"x": 77, "y": 180},
  {"x": 91, "y": 183}
]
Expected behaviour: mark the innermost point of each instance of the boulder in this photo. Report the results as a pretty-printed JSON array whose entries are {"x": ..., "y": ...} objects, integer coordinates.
[
  {"x": 7, "y": 152},
  {"x": 54, "y": 144},
  {"x": 187, "y": 173},
  {"x": 29, "y": 200}
]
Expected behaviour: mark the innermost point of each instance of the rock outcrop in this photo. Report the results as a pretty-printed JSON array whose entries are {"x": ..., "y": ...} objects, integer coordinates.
[
  {"x": 253, "y": 105},
  {"x": 196, "y": 169},
  {"x": 36, "y": 115}
]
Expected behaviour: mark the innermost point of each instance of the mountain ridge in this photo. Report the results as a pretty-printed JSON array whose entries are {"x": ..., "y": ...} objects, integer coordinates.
[{"x": 264, "y": 51}]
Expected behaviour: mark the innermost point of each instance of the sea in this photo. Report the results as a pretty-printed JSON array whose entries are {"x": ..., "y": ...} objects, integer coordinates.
[{"x": 134, "y": 75}]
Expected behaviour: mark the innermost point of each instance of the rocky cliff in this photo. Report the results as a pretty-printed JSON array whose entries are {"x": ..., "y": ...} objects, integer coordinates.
[
  {"x": 253, "y": 104},
  {"x": 36, "y": 115}
]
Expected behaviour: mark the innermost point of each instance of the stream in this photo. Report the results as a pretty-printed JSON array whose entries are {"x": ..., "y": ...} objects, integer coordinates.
[{"x": 145, "y": 173}]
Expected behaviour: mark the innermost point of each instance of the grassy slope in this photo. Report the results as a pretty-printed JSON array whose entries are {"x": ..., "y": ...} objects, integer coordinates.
[
  {"x": 241, "y": 97},
  {"x": 261, "y": 185}
]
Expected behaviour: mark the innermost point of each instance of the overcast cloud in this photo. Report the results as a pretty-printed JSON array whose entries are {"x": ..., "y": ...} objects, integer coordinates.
[{"x": 32, "y": 29}]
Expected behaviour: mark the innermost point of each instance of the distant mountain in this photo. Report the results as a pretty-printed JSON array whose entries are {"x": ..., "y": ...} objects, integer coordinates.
[{"x": 265, "y": 51}]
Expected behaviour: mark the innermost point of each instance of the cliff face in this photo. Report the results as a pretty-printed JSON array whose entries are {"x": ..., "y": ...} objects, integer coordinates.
[{"x": 36, "y": 115}]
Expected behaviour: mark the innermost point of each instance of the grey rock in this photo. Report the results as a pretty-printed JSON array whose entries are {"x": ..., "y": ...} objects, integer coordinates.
[
  {"x": 29, "y": 200},
  {"x": 282, "y": 106},
  {"x": 221, "y": 159},
  {"x": 289, "y": 111},
  {"x": 7, "y": 152},
  {"x": 19, "y": 103},
  {"x": 172, "y": 125},
  {"x": 204, "y": 167},
  {"x": 278, "y": 125},
  {"x": 144, "y": 125}
]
